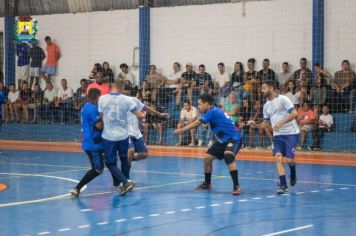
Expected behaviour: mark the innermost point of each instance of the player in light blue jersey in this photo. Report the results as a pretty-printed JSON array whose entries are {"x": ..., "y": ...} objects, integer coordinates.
[
  {"x": 113, "y": 109},
  {"x": 280, "y": 112},
  {"x": 226, "y": 146}
]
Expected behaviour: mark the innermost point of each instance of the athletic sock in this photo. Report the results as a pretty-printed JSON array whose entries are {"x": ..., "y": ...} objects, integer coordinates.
[
  {"x": 283, "y": 180},
  {"x": 118, "y": 175},
  {"x": 207, "y": 178},
  {"x": 235, "y": 177},
  {"x": 89, "y": 176},
  {"x": 115, "y": 182},
  {"x": 292, "y": 170}
]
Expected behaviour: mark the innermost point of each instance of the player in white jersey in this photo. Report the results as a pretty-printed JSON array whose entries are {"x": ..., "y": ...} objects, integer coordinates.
[
  {"x": 280, "y": 112},
  {"x": 113, "y": 109}
]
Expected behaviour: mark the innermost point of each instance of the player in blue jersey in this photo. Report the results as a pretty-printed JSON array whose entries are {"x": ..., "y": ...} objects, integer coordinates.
[
  {"x": 280, "y": 112},
  {"x": 113, "y": 109},
  {"x": 91, "y": 139},
  {"x": 226, "y": 146},
  {"x": 2, "y": 102}
]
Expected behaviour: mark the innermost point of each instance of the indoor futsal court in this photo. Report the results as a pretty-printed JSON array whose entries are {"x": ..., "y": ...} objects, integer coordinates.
[{"x": 177, "y": 117}]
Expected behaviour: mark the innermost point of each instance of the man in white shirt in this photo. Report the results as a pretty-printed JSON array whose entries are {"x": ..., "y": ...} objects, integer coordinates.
[
  {"x": 64, "y": 102},
  {"x": 325, "y": 124},
  {"x": 281, "y": 113},
  {"x": 49, "y": 99},
  {"x": 128, "y": 77},
  {"x": 187, "y": 115},
  {"x": 283, "y": 77},
  {"x": 172, "y": 82},
  {"x": 13, "y": 102},
  {"x": 113, "y": 109},
  {"x": 221, "y": 84}
]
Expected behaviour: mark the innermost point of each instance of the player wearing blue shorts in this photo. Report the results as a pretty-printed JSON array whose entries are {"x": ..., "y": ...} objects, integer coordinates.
[
  {"x": 226, "y": 146},
  {"x": 113, "y": 109},
  {"x": 91, "y": 139},
  {"x": 280, "y": 112}
]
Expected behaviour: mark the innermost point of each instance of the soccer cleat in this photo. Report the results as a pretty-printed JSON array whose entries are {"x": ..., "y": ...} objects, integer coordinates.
[
  {"x": 293, "y": 180},
  {"x": 74, "y": 192},
  {"x": 236, "y": 190},
  {"x": 127, "y": 187},
  {"x": 282, "y": 190},
  {"x": 203, "y": 186}
]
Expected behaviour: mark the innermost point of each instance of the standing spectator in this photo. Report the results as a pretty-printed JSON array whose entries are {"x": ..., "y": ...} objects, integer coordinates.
[
  {"x": 222, "y": 84},
  {"x": 188, "y": 115},
  {"x": 35, "y": 102},
  {"x": 266, "y": 74},
  {"x": 203, "y": 81},
  {"x": 13, "y": 103},
  {"x": 107, "y": 73},
  {"x": 23, "y": 63},
  {"x": 99, "y": 83},
  {"x": 318, "y": 93},
  {"x": 292, "y": 93},
  {"x": 283, "y": 77},
  {"x": 306, "y": 119},
  {"x": 145, "y": 92},
  {"x": 64, "y": 102},
  {"x": 129, "y": 78},
  {"x": 155, "y": 82},
  {"x": 37, "y": 55},
  {"x": 25, "y": 96},
  {"x": 302, "y": 76},
  {"x": 48, "y": 104},
  {"x": 173, "y": 83},
  {"x": 342, "y": 98},
  {"x": 187, "y": 82},
  {"x": 325, "y": 124},
  {"x": 53, "y": 56},
  {"x": 251, "y": 83}
]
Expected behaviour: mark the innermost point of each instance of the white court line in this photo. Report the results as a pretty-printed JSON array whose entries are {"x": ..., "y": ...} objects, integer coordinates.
[
  {"x": 270, "y": 196},
  {"x": 227, "y": 203},
  {"x": 137, "y": 217},
  {"x": 120, "y": 220},
  {"x": 214, "y": 205},
  {"x": 44, "y": 233},
  {"x": 256, "y": 198},
  {"x": 103, "y": 223},
  {"x": 289, "y": 230},
  {"x": 153, "y": 215},
  {"x": 200, "y": 207},
  {"x": 83, "y": 226},
  {"x": 299, "y": 193},
  {"x": 64, "y": 229},
  {"x": 329, "y": 189},
  {"x": 187, "y": 209},
  {"x": 344, "y": 188},
  {"x": 314, "y": 191},
  {"x": 243, "y": 200},
  {"x": 84, "y": 210},
  {"x": 170, "y": 212}
]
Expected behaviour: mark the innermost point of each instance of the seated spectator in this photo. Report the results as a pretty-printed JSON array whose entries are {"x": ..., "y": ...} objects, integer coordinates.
[
  {"x": 64, "y": 102},
  {"x": 318, "y": 93},
  {"x": 204, "y": 134},
  {"x": 80, "y": 98},
  {"x": 238, "y": 75},
  {"x": 251, "y": 83},
  {"x": 244, "y": 117},
  {"x": 302, "y": 76},
  {"x": 203, "y": 82},
  {"x": 325, "y": 124},
  {"x": 222, "y": 84},
  {"x": 292, "y": 93},
  {"x": 145, "y": 92},
  {"x": 154, "y": 121},
  {"x": 187, "y": 82},
  {"x": 188, "y": 115},
  {"x": 14, "y": 103},
  {"x": 257, "y": 117},
  {"x": 172, "y": 83},
  {"x": 25, "y": 96},
  {"x": 48, "y": 104},
  {"x": 129, "y": 78},
  {"x": 35, "y": 102},
  {"x": 100, "y": 84},
  {"x": 155, "y": 82},
  {"x": 306, "y": 120},
  {"x": 108, "y": 75},
  {"x": 341, "y": 96},
  {"x": 232, "y": 108},
  {"x": 266, "y": 74},
  {"x": 283, "y": 77},
  {"x": 5, "y": 108},
  {"x": 96, "y": 68}
]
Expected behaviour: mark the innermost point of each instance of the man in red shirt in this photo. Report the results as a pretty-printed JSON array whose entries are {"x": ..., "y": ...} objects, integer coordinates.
[
  {"x": 99, "y": 84},
  {"x": 306, "y": 119},
  {"x": 53, "y": 55}
]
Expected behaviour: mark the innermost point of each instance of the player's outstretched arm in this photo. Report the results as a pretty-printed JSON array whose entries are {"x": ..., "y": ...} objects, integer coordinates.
[
  {"x": 154, "y": 112},
  {"x": 188, "y": 127},
  {"x": 263, "y": 125},
  {"x": 139, "y": 114}
]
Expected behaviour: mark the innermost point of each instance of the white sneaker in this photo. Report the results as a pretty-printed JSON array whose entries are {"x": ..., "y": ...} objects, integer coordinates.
[
  {"x": 200, "y": 143},
  {"x": 211, "y": 142}
]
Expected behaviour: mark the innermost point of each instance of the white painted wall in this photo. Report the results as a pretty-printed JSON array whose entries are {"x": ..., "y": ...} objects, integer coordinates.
[
  {"x": 340, "y": 33},
  {"x": 279, "y": 30}
]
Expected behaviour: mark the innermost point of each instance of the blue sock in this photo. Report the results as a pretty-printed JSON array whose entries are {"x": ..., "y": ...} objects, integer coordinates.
[
  {"x": 125, "y": 167},
  {"x": 116, "y": 172},
  {"x": 283, "y": 180}
]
